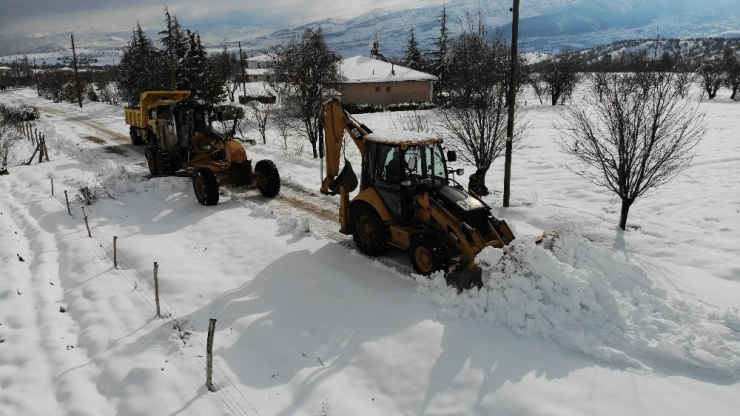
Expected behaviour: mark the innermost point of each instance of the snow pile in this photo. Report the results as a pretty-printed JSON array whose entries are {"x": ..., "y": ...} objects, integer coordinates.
[
  {"x": 297, "y": 227},
  {"x": 607, "y": 306}
]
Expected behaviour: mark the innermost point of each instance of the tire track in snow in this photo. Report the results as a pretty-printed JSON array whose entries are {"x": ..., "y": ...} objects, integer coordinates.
[{"x": 45, "y": 358}]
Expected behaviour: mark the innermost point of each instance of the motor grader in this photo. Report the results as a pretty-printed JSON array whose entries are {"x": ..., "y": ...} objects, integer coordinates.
[
  {"x": 182, "y": 142},
  {"x": 408, "y": 199}
]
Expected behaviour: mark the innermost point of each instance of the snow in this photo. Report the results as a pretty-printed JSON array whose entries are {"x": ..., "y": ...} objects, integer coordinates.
[
  {"x": 360, "y": 69},
  {"x": 593, "y": 321}
]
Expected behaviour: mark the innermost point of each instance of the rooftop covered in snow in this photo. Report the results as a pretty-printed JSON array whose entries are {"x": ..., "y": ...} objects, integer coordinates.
[{"x": 361, "y": 69}]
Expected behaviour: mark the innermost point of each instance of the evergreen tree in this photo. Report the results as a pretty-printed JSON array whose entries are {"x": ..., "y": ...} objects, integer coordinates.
[
  {"x": 413, "y": 58},
  {"x": 140, "y": 68},
  {"x": 175, "y": 44},
  {"x": 439, "y": 65},
  {"x": 197, "y": 72}
]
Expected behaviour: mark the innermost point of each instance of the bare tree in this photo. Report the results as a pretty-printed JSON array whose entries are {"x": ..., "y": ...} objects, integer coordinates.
[
  {"x": 258, "y": 115},
  {"x": 561, "y": 74},
  {"x": 539, "y": 86},
  {"x": 307, "y": 68},
  {"x": 732, "y": 72},
  {"x": 633, "y": 140},
  {"x": 597, "y": 82},
  {"x": 227, "y": 70},
  {"x": 414, "y": 120},
  {"x": 476, "y": 115},
  {"x": 711, "y": 75}
]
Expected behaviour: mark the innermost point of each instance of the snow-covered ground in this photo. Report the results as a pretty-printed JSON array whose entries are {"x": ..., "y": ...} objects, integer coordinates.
[{"x": 597, "y": 321}]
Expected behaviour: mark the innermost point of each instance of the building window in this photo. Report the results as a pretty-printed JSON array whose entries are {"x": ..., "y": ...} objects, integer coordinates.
[
  {"x": 387, "y": 89},
  {"x": 377, "y": 89}
]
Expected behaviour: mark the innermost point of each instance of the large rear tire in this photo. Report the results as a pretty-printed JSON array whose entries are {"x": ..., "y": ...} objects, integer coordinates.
[
  {"x": 428, "y": 255},
  {"x": 268, "y": 178},
  {"x": 369, "y": 231},
  {"x": 205, "y": 186},
  {"x": 134, "y": 133}
]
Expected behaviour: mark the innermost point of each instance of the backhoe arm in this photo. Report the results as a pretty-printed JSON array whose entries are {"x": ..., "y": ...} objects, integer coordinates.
[{"x": 336, "y": 122}]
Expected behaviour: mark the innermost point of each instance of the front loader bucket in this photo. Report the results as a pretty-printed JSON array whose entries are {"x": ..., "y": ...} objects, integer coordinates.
[{"x": 346, "y": 178}]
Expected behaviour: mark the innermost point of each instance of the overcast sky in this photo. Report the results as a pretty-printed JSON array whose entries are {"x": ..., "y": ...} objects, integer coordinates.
[{"x": 22, "y": 17}]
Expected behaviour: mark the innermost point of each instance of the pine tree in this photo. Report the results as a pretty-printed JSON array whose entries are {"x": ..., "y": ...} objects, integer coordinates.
[
  {"x": 175, "y": 43},
  {"x": 439, "y": 63},
  {"x": 197, "y": 72},
  {"x": 140, "y": 67},
  {"x": 413, "y": 58}
]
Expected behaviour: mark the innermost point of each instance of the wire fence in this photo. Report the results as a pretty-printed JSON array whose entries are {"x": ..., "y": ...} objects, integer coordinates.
[{"x": 144, "y": 286}]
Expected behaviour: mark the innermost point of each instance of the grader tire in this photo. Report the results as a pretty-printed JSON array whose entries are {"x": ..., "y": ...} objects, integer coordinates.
[
  {"x": 268, "y": 178},
  {"x": 369, "y": 231},
  {"x": 205, "y": 186}
]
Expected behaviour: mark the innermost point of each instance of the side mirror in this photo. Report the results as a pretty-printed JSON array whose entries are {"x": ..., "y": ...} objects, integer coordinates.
[
  {"x": 252, "y": 142},
  {"x": 451, "y": 156},
  {"x": 460, "y": 172}
]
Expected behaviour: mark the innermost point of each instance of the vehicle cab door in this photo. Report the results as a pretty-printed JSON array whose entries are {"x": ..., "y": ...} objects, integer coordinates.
[{"x": 384, "y": 172}]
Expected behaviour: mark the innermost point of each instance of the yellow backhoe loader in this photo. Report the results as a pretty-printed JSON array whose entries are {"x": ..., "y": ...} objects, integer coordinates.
[{"x": 408, "y": 199}]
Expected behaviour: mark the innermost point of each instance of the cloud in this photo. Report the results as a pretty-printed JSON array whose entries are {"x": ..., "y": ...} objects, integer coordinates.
[{"x": 23, "y": 17}]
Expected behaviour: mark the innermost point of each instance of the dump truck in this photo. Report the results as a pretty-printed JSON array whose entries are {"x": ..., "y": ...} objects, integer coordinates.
[
  {"x": 408, "y": 199},
  {"x": 182, "y": 142},
  {"x": 140, "y": 118}
]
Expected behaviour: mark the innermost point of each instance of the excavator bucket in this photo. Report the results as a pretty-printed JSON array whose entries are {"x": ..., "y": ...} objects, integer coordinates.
[{"x": 346, "y": 178}]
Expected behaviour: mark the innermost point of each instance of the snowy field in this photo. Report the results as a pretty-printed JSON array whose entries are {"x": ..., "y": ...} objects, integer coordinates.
[{"x": 595, "y": 322}]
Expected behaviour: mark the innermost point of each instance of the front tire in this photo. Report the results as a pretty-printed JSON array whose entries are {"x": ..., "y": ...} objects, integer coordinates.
[
  {"x": 205, "y": 186},
  {"x": 428, "y": 255},
  {"x": 369, "y": 231},
  {"x": 268, "y": 178}
]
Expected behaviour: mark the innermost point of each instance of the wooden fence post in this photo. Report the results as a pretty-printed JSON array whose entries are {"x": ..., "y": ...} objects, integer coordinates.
[
  {"x": 52, "y": 186},
  {"x": 209, "y": 354},
  {"x": 66, "y": 198},
  {"x": 89, "y": 234},
  {"x": 156, "y": 288},
  {"x": 46, "y": 151},
  {"x": 115, "y": 252}
]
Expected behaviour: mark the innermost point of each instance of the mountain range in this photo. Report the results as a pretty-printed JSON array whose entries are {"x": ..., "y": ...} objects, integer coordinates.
[{"x": 545, "y": 27}]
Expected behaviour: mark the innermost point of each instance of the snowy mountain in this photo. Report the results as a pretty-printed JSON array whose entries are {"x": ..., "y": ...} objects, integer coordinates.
[{"x": 544, "y": 27}]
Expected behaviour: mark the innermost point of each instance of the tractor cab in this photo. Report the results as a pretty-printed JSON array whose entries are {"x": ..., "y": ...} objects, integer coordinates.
[{"x": 400, "y": 168}]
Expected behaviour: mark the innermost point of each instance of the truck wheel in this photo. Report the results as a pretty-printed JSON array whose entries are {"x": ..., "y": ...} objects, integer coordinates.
[
  {"x": 268, "y": 178},
  {"x": 134, "y": 133},
  {"x": 428, "y": 255},
  {"x": 205, "y": 186},
  {"x": 369, "y": 231},
  {"x": 151, "y": 153}
]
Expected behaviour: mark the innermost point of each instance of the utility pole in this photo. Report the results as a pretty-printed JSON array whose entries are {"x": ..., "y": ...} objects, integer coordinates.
[
  {"x": 77, "y": 77},
  {"x": 512, "y": 101},
  {"x": 241, "y": 62}
]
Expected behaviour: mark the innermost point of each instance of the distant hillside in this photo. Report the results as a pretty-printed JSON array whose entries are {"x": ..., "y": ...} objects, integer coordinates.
[
  {"x": 691, "y": 49},
  {"x": 545, "y": 27}
]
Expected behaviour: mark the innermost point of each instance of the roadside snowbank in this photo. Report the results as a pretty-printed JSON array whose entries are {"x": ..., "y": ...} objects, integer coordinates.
[{"x": 598, "y": 301}]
